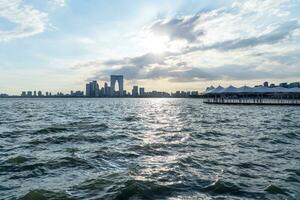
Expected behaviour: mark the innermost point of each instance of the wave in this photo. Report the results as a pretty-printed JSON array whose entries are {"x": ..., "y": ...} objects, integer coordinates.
[
  {"x": 71, "y": 127},
  {"x": 131, "y": 118},
  {"x": 120, "y": 186},
  {"x": 35, "y": 168},
  {"x": 134, "y": 189},
  {"x": 273, "y": 189},
  {"x": 40, "y": 194},
  {"x": 74, "y": 138},
  {"x": 50, "y": 130},
  {"x": 222, "y": 187},
  {"x": 17, "y": 160},
  {"x": 150, "y": 149}
]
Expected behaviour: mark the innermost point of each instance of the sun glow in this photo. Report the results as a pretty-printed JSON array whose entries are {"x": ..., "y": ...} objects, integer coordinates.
[{"x": 155, "y": 43}]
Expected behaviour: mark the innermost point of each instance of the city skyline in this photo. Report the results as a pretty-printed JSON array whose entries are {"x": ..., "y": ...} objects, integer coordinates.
[
  {"x": 162, "y": 45},
  {"x": 116, "y": 89}
]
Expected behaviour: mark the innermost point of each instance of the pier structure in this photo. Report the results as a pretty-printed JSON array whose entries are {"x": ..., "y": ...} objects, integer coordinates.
[{"x": 253, "y": 96}]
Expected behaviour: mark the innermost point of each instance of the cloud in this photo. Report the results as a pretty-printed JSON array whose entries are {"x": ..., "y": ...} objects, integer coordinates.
[
  {"x": 28, "y": 20},
  {"x": 143, "y": 60},
  {"x": 246, "y": 41},
  {"x": 183, "y": 28},
  {"x": 196, "y": 74},
  {"x": 280, "y": 33},
  {"x": 60, "y": 3}
]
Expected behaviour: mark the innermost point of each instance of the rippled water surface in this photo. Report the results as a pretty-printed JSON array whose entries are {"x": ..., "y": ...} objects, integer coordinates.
[{"x": 147, "y": 149}]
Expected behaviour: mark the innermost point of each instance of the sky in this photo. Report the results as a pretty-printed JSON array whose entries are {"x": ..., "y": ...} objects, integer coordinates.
[{"x": 59, "y": 45}]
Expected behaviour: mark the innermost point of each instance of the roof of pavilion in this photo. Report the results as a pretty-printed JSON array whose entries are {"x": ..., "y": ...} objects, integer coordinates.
[{"x": 251, "y": 90}]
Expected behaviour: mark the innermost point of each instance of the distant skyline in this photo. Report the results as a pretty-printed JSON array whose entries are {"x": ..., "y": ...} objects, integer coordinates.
[{"x": 59, "y": 45}]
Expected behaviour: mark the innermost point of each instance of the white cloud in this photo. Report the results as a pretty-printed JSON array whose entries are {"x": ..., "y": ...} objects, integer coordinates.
[
  {"x": 28, "y": 20},
  {"x": 60, "y": 3},
  {"x": 232, "y": 43}
]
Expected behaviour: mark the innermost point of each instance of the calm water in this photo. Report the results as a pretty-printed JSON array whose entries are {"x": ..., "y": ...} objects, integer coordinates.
[{"x": 147, "y": 149}]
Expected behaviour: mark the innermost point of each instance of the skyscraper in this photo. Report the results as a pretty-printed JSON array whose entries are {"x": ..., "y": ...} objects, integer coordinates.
[
  {"x": 106, "y": 90},
  {"x": 113, "y": 80},
  {"x": 135, "y": 91},
  {"x": 87, "y": 90},
  {"x": 142, "y": 91},
  {"x": 92, "y": 89}
]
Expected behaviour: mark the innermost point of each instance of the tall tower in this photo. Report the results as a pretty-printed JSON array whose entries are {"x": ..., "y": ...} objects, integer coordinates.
[
  {"x": 92, "y": 89},
  {"x": 106, "y": 90},
  {"x": 113, "y": 80},
  {"x": 135, "y": 91}
]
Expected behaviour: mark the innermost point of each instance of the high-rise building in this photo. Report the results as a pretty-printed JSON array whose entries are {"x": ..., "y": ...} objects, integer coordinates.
[
  {"x": 87, "y": 90},
  {"x": 135, "y": 91},
  {"x": 266, "y": 84},
  {"x": 34, "y": 93},
  {"x": 142, "y": 91},
  {"x": 23, "y": 94},
  {"x": 194, "y": 93},
  {"x": 106, "y": 90},
  {"x": 113, "y": 80},
  {"x": 92, "y": 89},
  {"x": 29, "y": 93},
  {"x": 285, "y": 85},
  {"x": 40, "y": 93},
  {"x": 295, "y": 84}
]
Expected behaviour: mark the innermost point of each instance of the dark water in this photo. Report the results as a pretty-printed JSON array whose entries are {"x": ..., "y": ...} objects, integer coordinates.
[{"x": 147, "y": 149}]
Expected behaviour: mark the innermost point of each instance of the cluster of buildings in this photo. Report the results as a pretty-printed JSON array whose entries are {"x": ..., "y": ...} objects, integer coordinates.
[
  {"x": 284, "y": 85},
  {"x": 116, "y": 89},
  {"x": 49, "y": 94},
  {"x": 94, "y": 90}
]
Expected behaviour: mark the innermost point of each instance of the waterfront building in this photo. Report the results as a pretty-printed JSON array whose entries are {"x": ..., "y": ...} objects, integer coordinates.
[
  {"x": 142, "y": 91},
  {"x": 295, "y": 84},
  {"x": 116, "y": 79},
  {"x": 77, "y": 94},
  {"x": 257, "y": 95},
  {"x": 4, "y": 95},
  {"x": 40, "y": 93},
  {"x": 285, "y": 85},
  {"x": 29, "y": 93},
  {"x": 23, "y": 94},
  {"x": 194, "y": 93},
  {"x": 92, "y": 89},
  {"x": 34, "y": 93},
  {"x": 266, "y": 84},
  {"x": 87, "y": 90},
  {"x": 135, "y": 91},
  {"x": 106, "y": 89}
]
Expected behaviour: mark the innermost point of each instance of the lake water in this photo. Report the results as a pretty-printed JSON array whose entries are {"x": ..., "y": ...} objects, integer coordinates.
[{"x": 147, "y": 149}]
